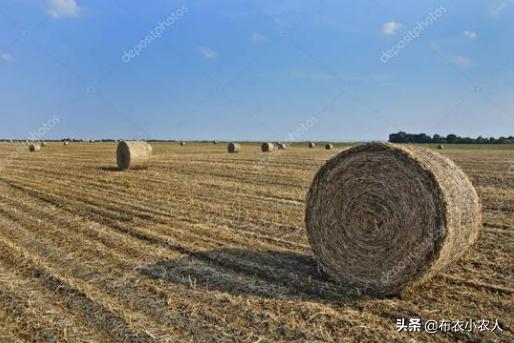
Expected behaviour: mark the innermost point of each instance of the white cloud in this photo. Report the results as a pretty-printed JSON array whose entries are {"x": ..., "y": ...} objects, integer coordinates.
[
  {"x": 470, "y": 34},
  {"x": 258, "y": 38},
  {"x": 391, "y": 27},
  {"x": 63, "y": 8},
  {"x": 208, "y": 54},
  {"x": 4, "y": 56},
  {"x": 497, "y": 9},
  {"x": 461, "y": 61}
]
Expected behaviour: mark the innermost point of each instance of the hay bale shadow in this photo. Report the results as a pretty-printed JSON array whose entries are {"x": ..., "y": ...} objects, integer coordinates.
[
  {"x": 111, "y": 169},
  {"x": 268, "y": 274}
]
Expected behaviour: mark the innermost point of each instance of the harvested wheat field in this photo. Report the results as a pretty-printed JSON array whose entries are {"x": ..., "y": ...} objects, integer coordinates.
[{"x": 207, "y": 246}]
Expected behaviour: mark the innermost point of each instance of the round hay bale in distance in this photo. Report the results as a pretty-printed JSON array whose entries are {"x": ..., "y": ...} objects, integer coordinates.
[
  {"x": 66, "y": 143},
  {"x": 312, "y": 145},
  {"x": 281, "y": 146},
  {"x": 43, "y": 144},
  {"x": 383, "y": 218},
  {"x": 34, "y": 147},
  {"x": 182, "y": 143},
  {"x": 329, "y": 146},
  {"x": 440, "y": 147},
  {"x": 233, "y": 148},
  {"x": 267, "y": 147},
  {"x": 133, "y": 154}
]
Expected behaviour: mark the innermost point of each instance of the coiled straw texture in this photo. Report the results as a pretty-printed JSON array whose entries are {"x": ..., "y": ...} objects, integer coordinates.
[{"x": 382, "y": 218}]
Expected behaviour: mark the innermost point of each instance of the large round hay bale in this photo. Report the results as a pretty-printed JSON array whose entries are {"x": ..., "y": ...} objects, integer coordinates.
[
  {"x": 133, "y": 154},
  {"x": 66, "y": 143},
  {"x": 182, "y": 143},
  {"x": 440, "y": 147},
  {"x": 34, "y": 147},
  {"x": 43, "y": 144},
  {"x": 233, "y": 147},
  {"x": 214, "y": 142},
  {"x": 281, "y": 146},
  {"x": 329, "y": 146},
  {"x": 267, "y": 147},
  {"x": 383, "y": 217},
  {"x": 312, "y": 145}
]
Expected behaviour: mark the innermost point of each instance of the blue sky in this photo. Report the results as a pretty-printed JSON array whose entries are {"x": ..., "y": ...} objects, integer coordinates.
[{"x": 252, "y": 70}]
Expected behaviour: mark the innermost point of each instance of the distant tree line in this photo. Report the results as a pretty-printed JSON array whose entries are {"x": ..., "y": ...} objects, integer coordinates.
[{"x": 403, "y": 137}]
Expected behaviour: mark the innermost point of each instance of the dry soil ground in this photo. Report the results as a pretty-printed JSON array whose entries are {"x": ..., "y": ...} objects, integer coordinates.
[{"x": 209, "y": 246}]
